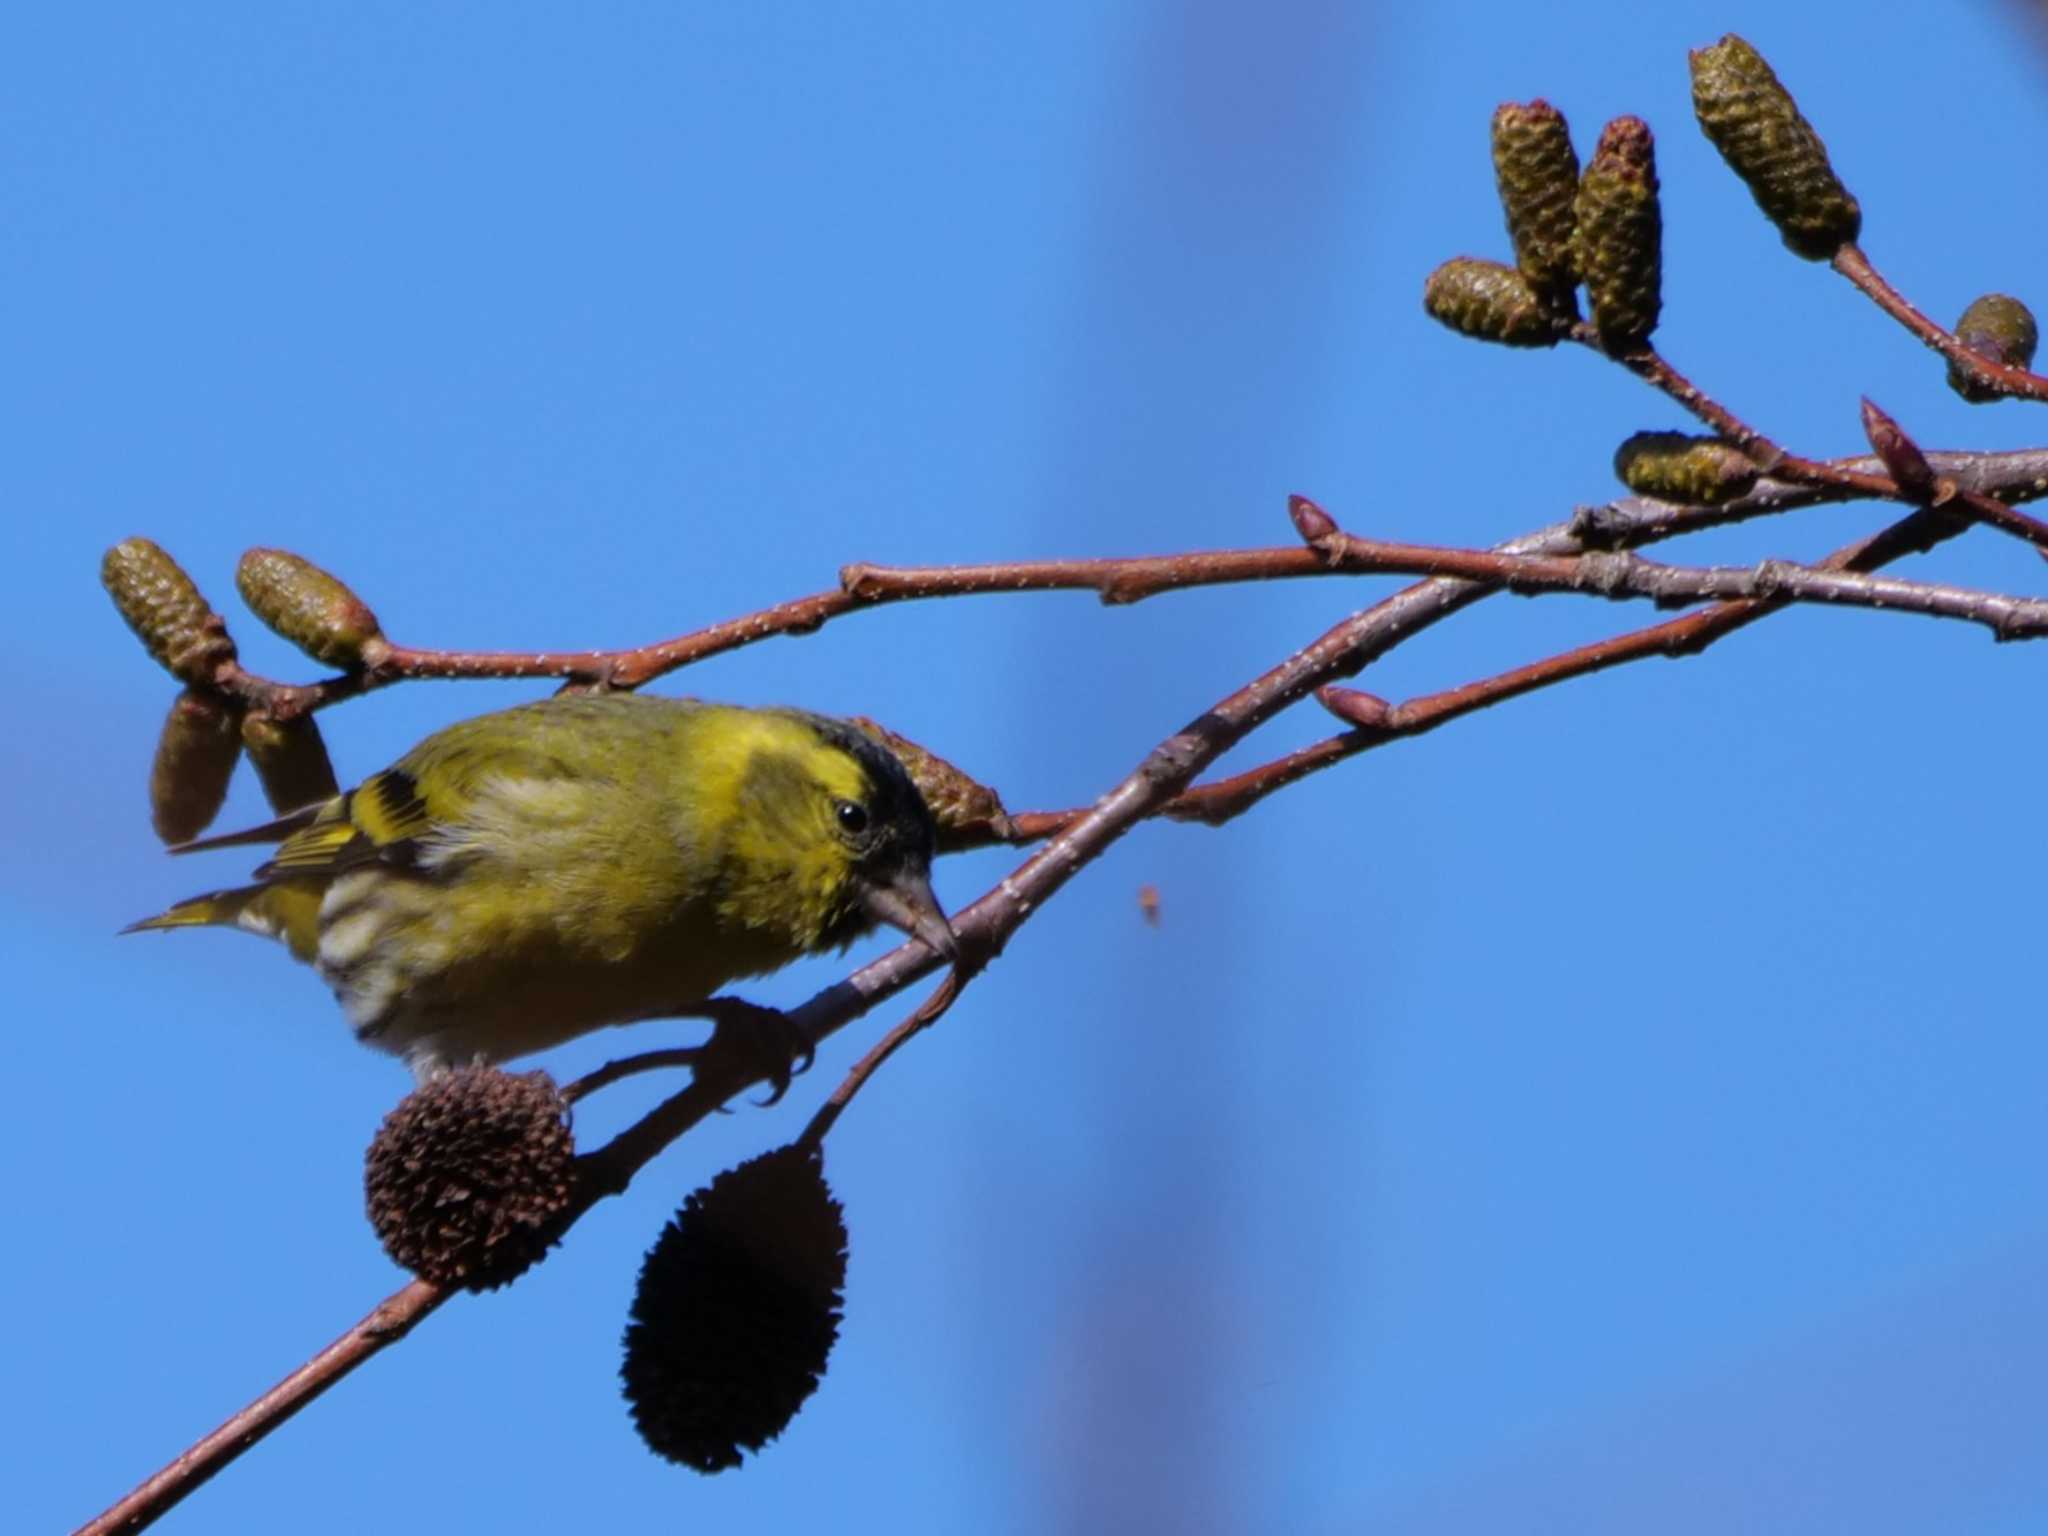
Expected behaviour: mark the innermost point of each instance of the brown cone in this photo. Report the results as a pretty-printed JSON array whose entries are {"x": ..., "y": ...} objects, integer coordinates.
[
  {"x": 736, "y": 1311},
  {"x": 467, "y": 1174}
]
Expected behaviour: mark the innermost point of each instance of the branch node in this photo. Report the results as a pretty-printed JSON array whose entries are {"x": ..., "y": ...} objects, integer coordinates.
[
  {"x": 1601, "y": 527},
  {"x": 1608, "y": 573}
]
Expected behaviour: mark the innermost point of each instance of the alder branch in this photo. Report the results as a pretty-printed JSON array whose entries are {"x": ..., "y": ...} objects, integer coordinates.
[
  {"x": 1159, "y": 785},
  {"x": 1626, "y": 522},
  {"x": 983, "y": 929}
]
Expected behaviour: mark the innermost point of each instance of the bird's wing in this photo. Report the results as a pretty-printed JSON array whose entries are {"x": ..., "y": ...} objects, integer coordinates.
[
  {"x": 437, "y": 798},
  {"x": 388, "y": 817},
  {"x": 269, "y": 832},
  {"x": 383, "y": 818},
  {"x": 380, "y": 821}
]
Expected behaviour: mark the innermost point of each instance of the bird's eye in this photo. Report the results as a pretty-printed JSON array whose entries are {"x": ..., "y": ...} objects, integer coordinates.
[{"x": 853, "y": 817}]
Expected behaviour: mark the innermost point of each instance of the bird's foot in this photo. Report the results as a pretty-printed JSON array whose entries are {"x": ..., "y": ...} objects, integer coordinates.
[{"x": 764, "y": 1042}]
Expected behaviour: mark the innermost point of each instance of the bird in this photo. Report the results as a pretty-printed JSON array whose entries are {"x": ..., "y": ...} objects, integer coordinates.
[{"x": 524, "y": 877}]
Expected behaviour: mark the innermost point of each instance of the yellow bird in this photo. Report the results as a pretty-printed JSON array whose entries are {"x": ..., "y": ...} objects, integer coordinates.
[{"x": 522, "y": 878}]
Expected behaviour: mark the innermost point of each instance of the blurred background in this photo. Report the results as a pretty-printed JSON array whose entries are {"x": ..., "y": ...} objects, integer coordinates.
[{"x": 1620, "y": 1111}]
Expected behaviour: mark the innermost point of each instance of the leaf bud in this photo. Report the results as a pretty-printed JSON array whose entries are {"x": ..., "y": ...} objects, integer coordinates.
[{"x": 1903, "y": 458}]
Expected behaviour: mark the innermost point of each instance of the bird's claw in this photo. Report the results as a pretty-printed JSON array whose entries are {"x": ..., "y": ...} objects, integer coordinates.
[{"x": 765, "y": 1042}]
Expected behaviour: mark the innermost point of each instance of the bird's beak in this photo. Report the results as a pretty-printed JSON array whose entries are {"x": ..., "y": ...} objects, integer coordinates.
[{"x": 907, "y": 902}]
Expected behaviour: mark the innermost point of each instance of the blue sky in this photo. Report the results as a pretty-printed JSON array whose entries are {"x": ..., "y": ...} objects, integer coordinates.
[{"x": 1619, "y": 1111}]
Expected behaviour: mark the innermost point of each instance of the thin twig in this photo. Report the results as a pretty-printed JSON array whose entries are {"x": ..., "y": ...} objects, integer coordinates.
[
  {"x": 2019, "y": 383},
  {"x": 1622, "y": 523},
  {"x": 1843, "y": 478},
  {"x": 1224, "y": 799},
  {"x": 922, "y": 1017},
  {"x": 1621, "y": 574},
  {"x": 388, "y": 1322}
]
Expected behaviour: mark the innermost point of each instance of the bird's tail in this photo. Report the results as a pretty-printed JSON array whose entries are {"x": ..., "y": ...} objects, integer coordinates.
[
  {"x": 216, "y": 909},
  {"x": 274, "y": 911}
]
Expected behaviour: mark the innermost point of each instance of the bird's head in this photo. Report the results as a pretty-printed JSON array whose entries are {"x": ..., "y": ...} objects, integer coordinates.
[{"x": 832, "y": 836}]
